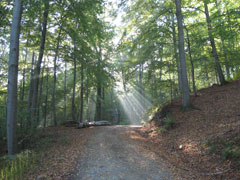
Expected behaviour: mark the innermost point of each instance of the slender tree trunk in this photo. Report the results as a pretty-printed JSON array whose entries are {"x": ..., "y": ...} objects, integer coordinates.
[
  {"x": 171, "y": 87},
  {"x": 176, "y": 54},
  {"x": 65, "y": 92},
  {"x": 30, "y": 95},
  {"x": 185, "y": 88},
  {"x": 46, "y": 101},
  {"x": 99, "y": 86},
  {"x": 23, "y": 84},
  {"x": 74, "y": 84},
  {"x": 214, "y": 49},
  {"x": 140, "y": 80},
  {"x": 223, "y": 41},
  {"x": 40, "y": 93},
  {"x": 87, "y": 97},
  {"x": 99, "y": 95},
  {"x": 99, "y": 101},
  {"x": 204, "y": 64},
  {"x": 55, "y": 79},
  {"x": 191, "y": 61},
  {"x": 38, "y": 66},
  {"x": 81, "y": 95},
  {"x": 13, "y": 78}
]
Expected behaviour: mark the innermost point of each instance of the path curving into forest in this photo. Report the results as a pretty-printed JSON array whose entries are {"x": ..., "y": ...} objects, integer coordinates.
[{"x": 110, "y": 155}]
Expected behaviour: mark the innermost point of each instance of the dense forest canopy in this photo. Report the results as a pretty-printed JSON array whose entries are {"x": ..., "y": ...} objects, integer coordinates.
[{"x": 92, "y": 60}]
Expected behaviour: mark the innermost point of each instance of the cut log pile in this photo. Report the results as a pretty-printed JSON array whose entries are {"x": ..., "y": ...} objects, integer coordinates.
[{"x": 85, "y": 124}]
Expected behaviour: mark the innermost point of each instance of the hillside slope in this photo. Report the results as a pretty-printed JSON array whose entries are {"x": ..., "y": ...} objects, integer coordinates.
[{"x": 204, "y": 142}]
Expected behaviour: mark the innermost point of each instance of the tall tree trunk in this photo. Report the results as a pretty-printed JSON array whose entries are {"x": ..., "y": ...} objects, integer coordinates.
[
  {"x": 140, "y": 79},
  {"x": 223, "y": 41},
  {"x": 13, "y": 78},
  {"x": 46, "y": 101},
  {"x": 81, "y": 95},
  {"x": 30, "y": 95},
  {"x": 99, "y": 102},
  {"x": 74, "y": 84},
  {"x": 40, "y": 93},
  {"x": 65, "y": 92},
  {"x": 99, "y": 85},
  {"x": 55, "y": 79},
  {"x": 185, "y": 88},
  {"x": 87, "y": 97},
  {"x": 176, "y": 54},
  {"x": 23, "y": 84},
  {"x": 38, "y": 67},
  {"x": 214, "y": 49},
  {"x": 191, "y": 61}
]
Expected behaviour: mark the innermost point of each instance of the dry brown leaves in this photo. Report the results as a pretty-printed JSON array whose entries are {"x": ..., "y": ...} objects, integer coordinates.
[
  {"x": 59, "y": 159},
  {"x": 184, "y": 146}
]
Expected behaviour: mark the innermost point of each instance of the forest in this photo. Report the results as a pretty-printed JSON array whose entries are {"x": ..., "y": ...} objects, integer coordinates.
[{"x": 109, "y": 60}]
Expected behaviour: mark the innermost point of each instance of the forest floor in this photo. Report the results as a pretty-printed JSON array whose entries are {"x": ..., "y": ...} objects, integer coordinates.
[
  {"x": 204, "y": 142},
  {"x": 110, "y": 153}
]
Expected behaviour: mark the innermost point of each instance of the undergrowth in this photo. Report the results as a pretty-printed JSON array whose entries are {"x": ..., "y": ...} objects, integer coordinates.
[
  {"x": 14, "y": 167},
  {"x": 17, "y": 166},
  {"x": 168, "y": 123},
  {"x": 228, "y": 150}
]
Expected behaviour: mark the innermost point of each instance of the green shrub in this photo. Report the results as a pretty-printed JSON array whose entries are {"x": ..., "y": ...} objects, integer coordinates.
[
  {"x": 228, "y": 150},
  {"x": 168, "y": 123},
  {"x": 231, "y": 151},
  {"x": 44, "y": 142},
  {"x": 211, "y": 147}
]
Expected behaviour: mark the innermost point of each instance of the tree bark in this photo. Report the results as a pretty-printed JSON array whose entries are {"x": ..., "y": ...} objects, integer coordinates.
[
  {"x": 30, "y": 93},
  {"x": 13, "y": 78},
  {"x": 99, "y": 101},
  {"x": 185, "y": 88},
  {"x": 23, "y": 84},
  {"x": 39, "y": 62},
  {"x": 81, "y": 95},
  {"x": 191, "y": 61},
  {"x": 65, "y": 92},
  {"x": 40, "y": 93},
  {"x": 214, "y": 49},
  {"x": 223, "y": 42},
  {"x": 55, "y": 79},
  {"x": 176, "y": 55},
  {"x": 46, "y": 101},
  {"x": 74, "y": 84},
  {"x": 87, "y": 97}
]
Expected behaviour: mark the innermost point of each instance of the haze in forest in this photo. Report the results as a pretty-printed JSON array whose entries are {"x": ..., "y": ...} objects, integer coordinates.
[{"x": 101, "y": 62}]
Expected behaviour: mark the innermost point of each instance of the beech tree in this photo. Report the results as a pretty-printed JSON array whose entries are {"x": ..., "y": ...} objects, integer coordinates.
[
  {"x": 13, "y": 78},
  {"x": 214, "y": 49}
]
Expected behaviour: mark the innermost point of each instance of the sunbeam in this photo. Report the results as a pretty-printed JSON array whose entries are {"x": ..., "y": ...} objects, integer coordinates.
[{"x": 134, "y": 104}]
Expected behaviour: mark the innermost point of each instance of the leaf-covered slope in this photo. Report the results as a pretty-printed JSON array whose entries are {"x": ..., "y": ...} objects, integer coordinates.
[{"x": 205, "y": 140}]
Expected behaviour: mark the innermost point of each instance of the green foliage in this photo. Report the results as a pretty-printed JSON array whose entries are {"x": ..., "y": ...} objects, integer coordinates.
[
  {"x": 231, "y": 151},
  {"x": 14, "y": 167},
  {"x": 43, "y": 142},
  {"x": 124, "y": 123},
  {"x": 168, "y": 124},
  {"x": 211, "y": 146},
  {"x": 236, "y": 76},
  {"x": 228, "y": 150}
]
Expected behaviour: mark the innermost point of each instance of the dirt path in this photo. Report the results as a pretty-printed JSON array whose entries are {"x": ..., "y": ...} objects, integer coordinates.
[{"x": 109, "y": 155}]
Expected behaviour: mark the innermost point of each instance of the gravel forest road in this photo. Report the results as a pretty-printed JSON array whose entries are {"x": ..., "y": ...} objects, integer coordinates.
[{"x": 111, "y": 155}]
